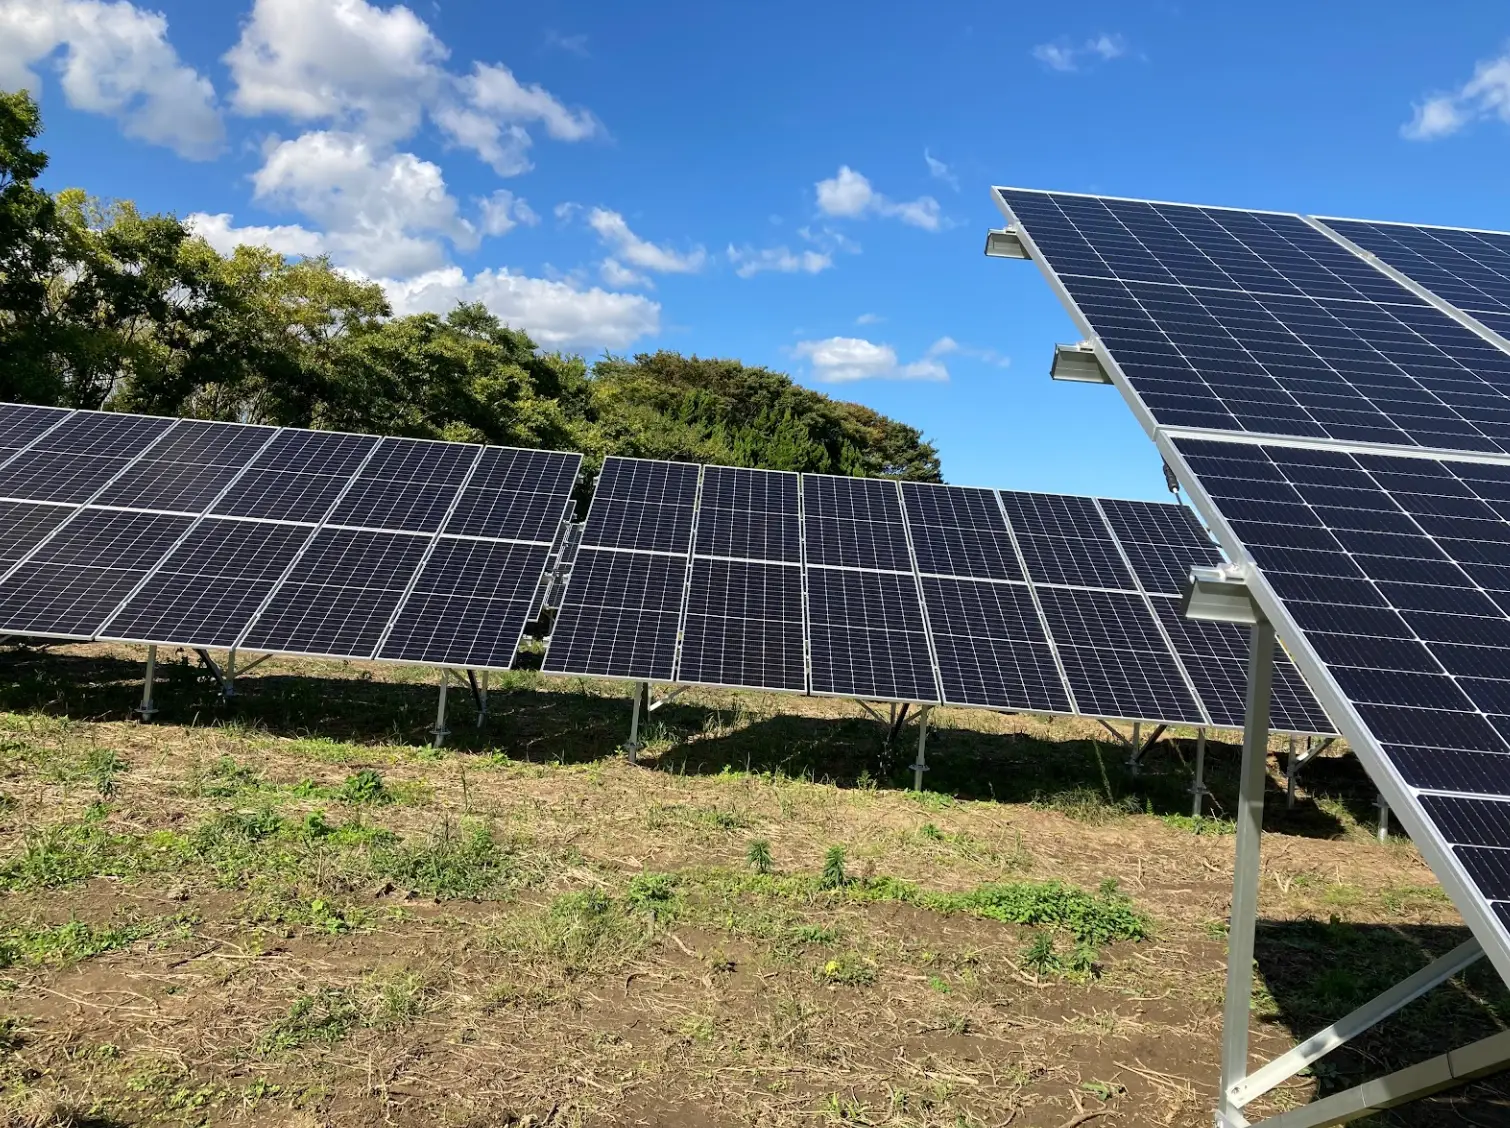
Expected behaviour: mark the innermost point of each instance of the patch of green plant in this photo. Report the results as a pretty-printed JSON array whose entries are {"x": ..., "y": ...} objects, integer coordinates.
[
  {"x": 226, "y": 778},
  {"x": 814, "y": 934},
  {"x": 758, "y": 856},
  {"x": 1043, "y": 958},
  {"x": 1199, "y": 824},
  {"x": 326, "y": 1015},
  {"x": 451, "y": 865},
  {"x": 66, "y": 853},
  {"x": 655, "y": 893},
  {"x": 1092, "y": 918},
  {"x": 833, "y": 875},
  {"x": 318, "y": 914},
  {"x": 1088, "y": 805},
  {"x": 850, "y": 970},
  {"x": 68, "y": 943}
]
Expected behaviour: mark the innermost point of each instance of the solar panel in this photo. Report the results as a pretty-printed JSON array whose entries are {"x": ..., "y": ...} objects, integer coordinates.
[
  {"x": 1117, "y": 662},
  {"x": 639, "y": 504},
  {"x": 206, "y": 591},
  {"x": 297, "y": 477},
  {"x": 22, "y": 423},
  {"x": 1064, "y": 541},
  {"x": 188, "y": 468},
  {"x": 958, "y": 531},
  {"x": 854, "y": 523},
  {"x": 1408, "y": 622},
  {"x": 620, "y": 615},
  {"x": 749, "y": 515},
  {"x": 991, "y": 646},
  {"x": 1468, "y": 269},
  {"x": 515, "y": 495},
  {"x": 104, "y": 434},
  {"x": 1254, "y": 321},
  {"x": 339, "y": 596},
  {"x": 744, "y": 625},
  {"x": 867, "y": 636},
  {"x": 469, "y": 605}
]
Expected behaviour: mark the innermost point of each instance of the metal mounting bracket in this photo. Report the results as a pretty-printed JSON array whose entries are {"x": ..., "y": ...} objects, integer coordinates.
[
  {"x": 1220, "y": 594},
  {"x": 1004, "y": 242},
  {"x": 1078, "y": 364}
]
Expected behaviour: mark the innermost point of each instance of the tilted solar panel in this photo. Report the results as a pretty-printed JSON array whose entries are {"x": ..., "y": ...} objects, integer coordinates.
[
  {"x": 23, "y": 423},
  {"x": 620, "y": 615},
  {"x": 1400, "y": 597},
  {"x": 1468, "y": 269},
  {"x": 1258, "y": 322}
]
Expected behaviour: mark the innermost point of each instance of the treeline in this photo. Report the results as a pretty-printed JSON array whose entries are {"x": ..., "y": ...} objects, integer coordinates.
[{"x": 103, "y": 307}]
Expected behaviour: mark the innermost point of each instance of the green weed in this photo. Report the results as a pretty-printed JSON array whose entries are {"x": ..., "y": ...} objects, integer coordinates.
[
  {"x": 758, "y": 856},
  {"x": 833, "y": 876}
]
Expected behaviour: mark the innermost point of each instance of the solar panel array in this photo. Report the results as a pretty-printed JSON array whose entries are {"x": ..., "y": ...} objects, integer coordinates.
[
  {"x": 1257, "y": 322},
  {"x": 205, "y": 534},
  {"x": 902, "y": 591},
  {"x": 1375, "y": 505}
]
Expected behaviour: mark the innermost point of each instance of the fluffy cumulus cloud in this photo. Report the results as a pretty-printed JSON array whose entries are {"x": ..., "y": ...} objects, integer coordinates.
[
  {"x": 615, "y": 233},
  {"x": 556, "y": 314},
  {"x": 221, "y": 232},
  {"x": 748, "y": 261},
  {"x": 843, "y": 360},
  {"x": 1065, "y": 56},
  {"x": 384, "y": 213},
  {"x": 503, "y": 211},
  {"x": 113, "y": 59},
  {"x": 850, "y": 195},
  {"x": 382, "y": 70},
  {"x": 1485, "y": 95}
]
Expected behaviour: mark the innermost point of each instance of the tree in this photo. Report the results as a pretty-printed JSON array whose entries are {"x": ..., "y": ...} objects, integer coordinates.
[{"x": 28, "y": 250}]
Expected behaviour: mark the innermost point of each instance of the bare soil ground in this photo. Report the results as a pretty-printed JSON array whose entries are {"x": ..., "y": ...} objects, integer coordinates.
[{"x": 297, "y": 912}]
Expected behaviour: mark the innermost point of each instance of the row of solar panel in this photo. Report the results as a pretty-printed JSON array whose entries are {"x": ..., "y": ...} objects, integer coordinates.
[
  {"x": 902, "y": 591},
  {"x": 1393, "y": 572},
  {"x": 206, "y": 534}
]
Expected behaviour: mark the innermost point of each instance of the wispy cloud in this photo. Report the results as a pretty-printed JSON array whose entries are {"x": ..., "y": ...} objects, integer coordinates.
[
  {"x": 849, "y": 195},
  {"x": 869, "y": 319},
  {"x": 749, "y": 262},
  {"x": 844, "y": 360},
  {"x": 615, "y": 232},
  {"x": 1486, "y": 94},
  {"x": 948, "y": 346},
  {"x": 1064, "y": 56},
  {"x": 940, "y": 171},
  {"x": 572, "y": 44}
]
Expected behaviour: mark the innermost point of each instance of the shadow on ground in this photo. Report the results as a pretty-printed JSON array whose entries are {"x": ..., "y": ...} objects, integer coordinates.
[
  {"x": 1318, "y": 971},
  {"x": 1085, "y": 778}
]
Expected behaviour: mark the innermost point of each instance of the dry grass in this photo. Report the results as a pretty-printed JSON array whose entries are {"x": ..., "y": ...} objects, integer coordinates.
[{"x": 301, "y": 914}]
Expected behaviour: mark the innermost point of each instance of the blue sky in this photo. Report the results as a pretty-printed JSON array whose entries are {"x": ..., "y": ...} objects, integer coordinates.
[{"x": 800, "y": 186}]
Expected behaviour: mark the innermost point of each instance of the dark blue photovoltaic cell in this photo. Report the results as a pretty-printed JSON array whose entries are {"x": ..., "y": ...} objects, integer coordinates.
[
  {"x": 749, "y": 514},
  {"x": 1254, "y": 321},
  {"x": 854, "y": 523},
  {"x": 639, "y": 504},
  {"x": 958, "y": 531},
  {"x": 1469, "y": 269},
  {"x": 867, "y": 636},
  {"x": 23, "y": 526},
  {"x": 104, "y": 434},
  {"x": 991, "y": 647},
  {"x": 1063, "y": 540},
  {"x": 1408, "y": 613},
  {"x": 20, "y": 423},
  {"x": 744, "y": 625},
  {"x": 620, "y": 616}
]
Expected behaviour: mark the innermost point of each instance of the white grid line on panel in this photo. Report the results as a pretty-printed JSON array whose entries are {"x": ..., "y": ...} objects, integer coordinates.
[
  {"x": 917, "y": 580},
  {"x": 130, "y": 462},
  {"x": 1179, "y": 662},
  {"x": 430, "y": 551},
  {"x": 807, "y": 626},
  {"x": 198, "y": 520},
  {"x": 1043, "y": 620},
  {"x": 294, "y": 563},
  {"x": 681, "y": 619},
  {"x": 35, "y": 439}
]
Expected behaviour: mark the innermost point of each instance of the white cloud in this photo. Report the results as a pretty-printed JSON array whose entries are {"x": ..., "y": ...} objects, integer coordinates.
[
  {"x": 382, "y": 214},
  {"x": 221, "y": 233},
  {"x": 574, "y": 44},
  {"x": 116, "y": 60},
  {"x": 842, "y": 360},
  {"x": 869, "y": 319},
  {"x": 1065, "y": 56},
  {"x": 948, "y": 346},
  {"x": 1486, "y": 94},
  {"x": 556, "y": 314},
  {"x": 380, "y": 72},
  {"x": 616, "y": 273},
  {"x": 748, "y": 261},
  {"x": 849, "y": 195},
  {"x": 343, "y": 61},
  {"x": 940, "y": 171},
  {"x": 615, "y": 232},
  {"x": 501, "y": 212}
]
